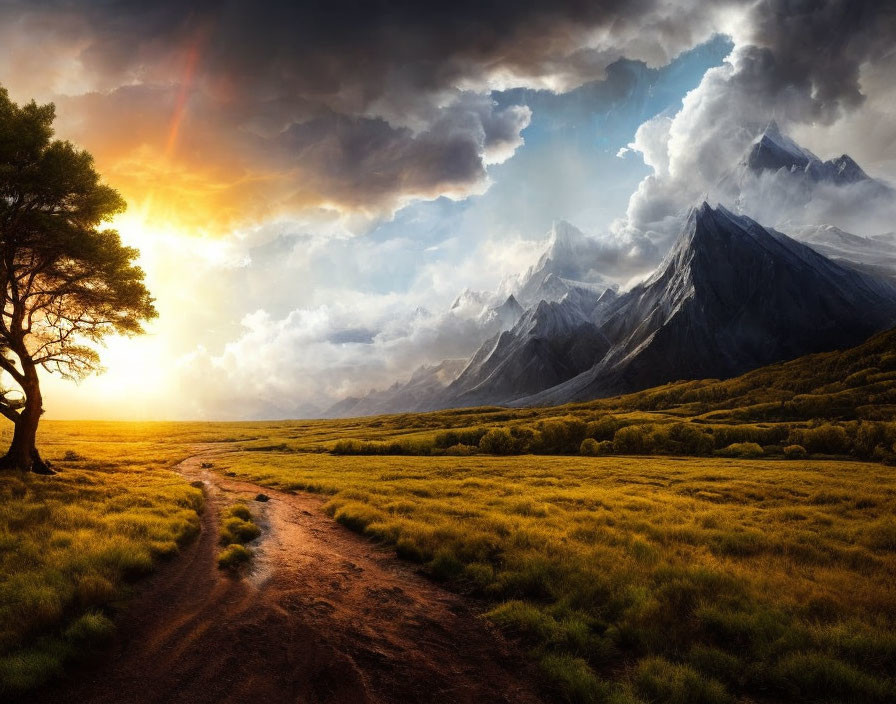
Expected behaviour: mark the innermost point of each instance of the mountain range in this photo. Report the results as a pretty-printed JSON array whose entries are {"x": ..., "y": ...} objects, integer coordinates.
[
  {"x": 730, "y": 296},
  {"x": 774, "y": 151}
]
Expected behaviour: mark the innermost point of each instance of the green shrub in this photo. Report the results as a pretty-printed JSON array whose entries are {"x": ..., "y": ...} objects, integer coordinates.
[
  {"x": 716, "y": 663},
  {"x": 356, "y": 515},
  {"x": 795, "y": 452},
  {"x": 867, "y": 437},
  {"x": 818, "y": 677},
  {"x": 347, "y": 447},
  {"x": 742, "y": 449},
  {"x": 526, "y": 621},
  {"x": 239, "y": 511},
  {"x": 236, "y": 530},
  {"x": 604, "y": 428},
  {"x": 90, "y": 629},
  {"x": 593, "y": 448},
  {"x": 632, "y": 440},
  {"x": 498, "y": 441},
  {"x": 470, "y": 436},
  {"x": 237, "y": 525},
  {"x": 681, "y": 439},
  {"x": 409, "y": 549},
  {"x": 761, "y": 435},
  {"x": 446, "y": 439},
  {"x": 575, "y": 679},
  {"x": 405, "y": 446},
  {"x": 31, "y": 667},
  {"x": 588, "y": 447},
  {"x": 445, "y": 565},
  {"x": 825, "y": 439},
  {"x": 526, "y": 439},
  {"x": 605, "y": 447},
  {"x": 561, "y": 436},
  {"x": 690, "y": 440}
]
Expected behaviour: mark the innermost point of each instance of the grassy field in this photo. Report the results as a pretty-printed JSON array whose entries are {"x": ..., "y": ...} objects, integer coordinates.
[
  {"x": 646, "y": 579},
  {"x": 71, "y": 544},
  {"x": 836, "y": 404},
  {"x": 629, "y": 579}
]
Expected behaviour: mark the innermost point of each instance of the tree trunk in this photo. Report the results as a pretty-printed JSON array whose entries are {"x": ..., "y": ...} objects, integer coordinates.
[{"x": 22, "y": 453}]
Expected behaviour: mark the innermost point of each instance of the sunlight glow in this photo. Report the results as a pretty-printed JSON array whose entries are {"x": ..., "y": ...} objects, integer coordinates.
[{"x": 137, "y": 377}]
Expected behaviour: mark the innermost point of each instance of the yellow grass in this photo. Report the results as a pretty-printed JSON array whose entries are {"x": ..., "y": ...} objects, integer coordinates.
[
  {"x": 71, "y": 544},
  {"x": 642, "y": 578},
  {"x": 237, "y": 529},
  {"x": 630, "y": 579}
]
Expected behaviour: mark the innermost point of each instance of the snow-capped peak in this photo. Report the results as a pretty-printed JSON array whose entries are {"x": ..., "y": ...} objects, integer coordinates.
[
  {"x": 773, "y": 150},
  {"x": 564, "y": 234}
]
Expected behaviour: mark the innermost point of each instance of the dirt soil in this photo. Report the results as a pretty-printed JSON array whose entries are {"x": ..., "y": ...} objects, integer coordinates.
[{"x": 323, "y": 616}]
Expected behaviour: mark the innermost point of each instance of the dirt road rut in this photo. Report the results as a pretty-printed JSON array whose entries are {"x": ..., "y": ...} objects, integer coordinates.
[{"x": 326, "y": 616}]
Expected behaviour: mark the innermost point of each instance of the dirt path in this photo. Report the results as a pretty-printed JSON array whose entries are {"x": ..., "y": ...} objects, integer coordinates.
[{"x": 325, "y": 616}]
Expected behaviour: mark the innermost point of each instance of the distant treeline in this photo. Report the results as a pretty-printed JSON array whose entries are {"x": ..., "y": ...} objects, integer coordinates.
[
  {"x": 840, "y": 403},
  {"x": 609, "y": 434}
]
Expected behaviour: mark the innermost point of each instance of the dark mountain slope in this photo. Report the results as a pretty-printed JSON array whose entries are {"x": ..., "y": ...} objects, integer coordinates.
[
  {"x": 730, "y": 296},
  {"x": 551, "y": 343}
]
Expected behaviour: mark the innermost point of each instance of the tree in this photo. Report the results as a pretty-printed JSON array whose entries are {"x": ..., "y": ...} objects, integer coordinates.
[
  {"x": 632, "y": 440},
  {"x": 65, "y": 282},
  {"x": 497, "y": 441}
]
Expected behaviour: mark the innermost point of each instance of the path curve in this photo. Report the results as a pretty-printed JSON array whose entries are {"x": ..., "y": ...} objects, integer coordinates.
[{"x": 325, "y": 617}]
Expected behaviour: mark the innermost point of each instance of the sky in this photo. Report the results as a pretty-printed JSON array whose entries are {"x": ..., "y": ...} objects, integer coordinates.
[{"x": 312, "y": 184}]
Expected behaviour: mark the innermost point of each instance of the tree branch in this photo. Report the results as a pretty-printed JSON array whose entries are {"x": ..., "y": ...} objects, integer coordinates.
[{"x": 10, "y": 369}]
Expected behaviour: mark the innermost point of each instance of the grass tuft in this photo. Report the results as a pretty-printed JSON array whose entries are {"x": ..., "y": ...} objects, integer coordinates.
[
  {"x": 658, "y": 680},
  {"x": 575, "y": 680},
  {"x": 237, "y": 528},
  {"x": 234, "y": 556}
]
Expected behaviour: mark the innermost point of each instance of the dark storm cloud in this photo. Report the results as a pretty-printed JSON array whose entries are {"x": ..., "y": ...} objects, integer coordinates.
[
  {"x": 365, "y": 104},
  {"x": 318, "y": 48},
  {"x": 800, "y": 62},
  {"x": 818, "y": 47},
  {"x": 360, "y": 104}
]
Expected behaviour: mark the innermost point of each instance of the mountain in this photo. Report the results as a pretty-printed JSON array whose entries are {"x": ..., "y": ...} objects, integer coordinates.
[
  {"x": 552, "y": 342},
  {"x": 784, "y": 185},
  {"x": 872, "y": 254},
  {"x": 729, "y": 297},
  {"x": 503, "y": 316},
  {"x": 823, "y": 203},
  {"x": 420, "y": 392},
  {"x": 423, "y": 391},
  {"x": 774, "y": 151},
  {"x": 563, "y": 275},
  {"x": 470, "y": 303},
  {"x": 568, "y": 263}
]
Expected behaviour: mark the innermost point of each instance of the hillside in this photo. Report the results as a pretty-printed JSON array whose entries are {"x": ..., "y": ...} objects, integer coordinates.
[
  {"x": 839, "y": 403},
  {"x": 856, "y": 383},
  {"x": 731, "y": 296}
]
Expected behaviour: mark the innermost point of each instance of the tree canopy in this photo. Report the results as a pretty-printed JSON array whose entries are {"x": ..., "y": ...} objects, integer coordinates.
[{"x": 67, "y": 282}]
